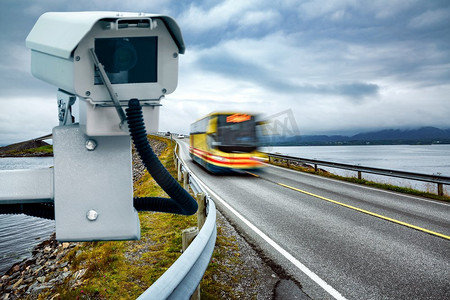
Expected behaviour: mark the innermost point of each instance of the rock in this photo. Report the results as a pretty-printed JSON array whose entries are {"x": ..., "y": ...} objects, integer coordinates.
[
  {"x": 18, "y": 282},
  {"x": 39, "y": 288},
  {"x": 22, "y": 287},
  {"x": 28, "y": 280},
  {"x": 41, "y": 279},
  {"x": 14, "y": 276},
  {"x": 78, "y": 274},
  {"x": 55, "y": 296}
]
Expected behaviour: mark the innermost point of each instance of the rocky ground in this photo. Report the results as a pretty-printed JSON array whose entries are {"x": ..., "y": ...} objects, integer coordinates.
[{"x": 45, "y": 269}]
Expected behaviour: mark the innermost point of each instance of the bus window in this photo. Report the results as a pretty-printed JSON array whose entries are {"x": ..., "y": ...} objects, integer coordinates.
[{"x": 236, "y": 133}]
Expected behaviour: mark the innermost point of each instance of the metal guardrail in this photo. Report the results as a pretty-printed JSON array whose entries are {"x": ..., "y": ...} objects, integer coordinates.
[
  {"x": 438, "y": 179},
  {"x": 182, "y": 279}
]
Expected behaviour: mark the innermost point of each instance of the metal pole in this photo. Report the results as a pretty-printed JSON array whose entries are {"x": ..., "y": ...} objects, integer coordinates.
[
  {"x": 440, "y": 189},
  {"x": 201, "y": 213}
]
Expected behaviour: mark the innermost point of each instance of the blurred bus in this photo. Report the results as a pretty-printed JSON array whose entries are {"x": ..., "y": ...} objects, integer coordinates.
[{"x": 226, "y": 142}]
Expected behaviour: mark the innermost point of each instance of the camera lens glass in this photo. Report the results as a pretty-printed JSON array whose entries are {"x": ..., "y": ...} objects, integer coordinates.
[
  {"x": 124, "y": 56},
  {"x": 127, "y": 60}
]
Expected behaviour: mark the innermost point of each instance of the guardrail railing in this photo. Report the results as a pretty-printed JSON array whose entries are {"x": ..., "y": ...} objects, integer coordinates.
[
  {"x": 181, "y": 280},
  {"x": 437, "y": 179}
]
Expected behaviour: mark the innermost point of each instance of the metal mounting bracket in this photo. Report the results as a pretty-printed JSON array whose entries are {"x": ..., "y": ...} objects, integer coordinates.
[{"x": 65, "y": 102}]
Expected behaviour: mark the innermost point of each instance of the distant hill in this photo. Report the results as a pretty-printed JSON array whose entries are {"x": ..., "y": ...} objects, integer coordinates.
[
  {"x": 421, "y": 136},
  {"x": 28, "y": 148}
]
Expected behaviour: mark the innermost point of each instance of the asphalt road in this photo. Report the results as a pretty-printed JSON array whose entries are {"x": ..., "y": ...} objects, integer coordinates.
[{"x": 340, "y": 240}]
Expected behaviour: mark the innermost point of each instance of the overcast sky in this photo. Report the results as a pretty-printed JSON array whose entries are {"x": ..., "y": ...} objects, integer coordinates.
[{"x": 339, "y": 66}]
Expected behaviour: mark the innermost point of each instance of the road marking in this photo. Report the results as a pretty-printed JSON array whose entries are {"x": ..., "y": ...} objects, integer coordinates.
[
  {"x": 328, "y": 288},
  {"x": 435, "y": 202},
  {"x": 447, "y": 237},
  {"x": 313, "y": 276}
]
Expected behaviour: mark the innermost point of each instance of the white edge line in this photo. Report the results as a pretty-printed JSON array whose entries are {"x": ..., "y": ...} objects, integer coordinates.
[{"x": 328, "y": 288}]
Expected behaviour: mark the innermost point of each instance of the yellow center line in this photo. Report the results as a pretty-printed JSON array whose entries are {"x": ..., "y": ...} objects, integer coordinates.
[{"x": 368, "y": 212}]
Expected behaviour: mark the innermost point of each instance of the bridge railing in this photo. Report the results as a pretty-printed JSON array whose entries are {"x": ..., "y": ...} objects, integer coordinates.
[
  {"x": 437, "y": 179},
  {"x": 181, "y": 280}
]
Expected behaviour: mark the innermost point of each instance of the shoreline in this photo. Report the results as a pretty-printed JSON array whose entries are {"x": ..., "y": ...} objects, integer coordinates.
[
  {"x": 46, "y": 268},
  {"x": 26, "y": 155}
]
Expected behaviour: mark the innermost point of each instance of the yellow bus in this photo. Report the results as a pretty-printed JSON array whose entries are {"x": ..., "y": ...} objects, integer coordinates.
[{"x": 224, "y": 142}]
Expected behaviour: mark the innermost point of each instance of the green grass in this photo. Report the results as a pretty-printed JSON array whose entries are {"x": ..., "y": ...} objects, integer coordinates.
[
  {"x": 385, "y": 186},
  {"x": 48, "y": 149}
]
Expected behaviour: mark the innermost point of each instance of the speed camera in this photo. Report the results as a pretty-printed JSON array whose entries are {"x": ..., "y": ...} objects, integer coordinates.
[{"x": 138, "y": 53}]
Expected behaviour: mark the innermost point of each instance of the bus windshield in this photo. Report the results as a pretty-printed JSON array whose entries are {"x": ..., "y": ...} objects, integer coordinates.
[{"x": 236, "y": 133}]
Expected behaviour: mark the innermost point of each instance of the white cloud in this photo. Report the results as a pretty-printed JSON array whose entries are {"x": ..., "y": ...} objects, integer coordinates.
[
  {"x": 28, "y": 118},
  {"x": 19, "y": 59},
  {"x": 266, "y": 18},
  {"x": 430, "y": 18},
  {"x": 199, "y": 19}
]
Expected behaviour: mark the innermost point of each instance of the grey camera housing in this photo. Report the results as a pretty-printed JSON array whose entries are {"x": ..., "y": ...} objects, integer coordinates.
[{"x": 60, "y": 43}]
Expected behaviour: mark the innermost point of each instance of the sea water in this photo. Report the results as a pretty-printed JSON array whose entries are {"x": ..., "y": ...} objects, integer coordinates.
[
  {"x": 19, "y": 234},
  {"x": 425, "y": 159}
]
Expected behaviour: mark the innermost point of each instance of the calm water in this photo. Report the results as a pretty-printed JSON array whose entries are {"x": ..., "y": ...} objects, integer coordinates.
[
  {"x": 426, "y": 159},
  {"x": 18, "y": 233}
]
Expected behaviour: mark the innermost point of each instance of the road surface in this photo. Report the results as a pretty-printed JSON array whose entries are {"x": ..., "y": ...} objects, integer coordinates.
[{"x": 339, "y": 240}]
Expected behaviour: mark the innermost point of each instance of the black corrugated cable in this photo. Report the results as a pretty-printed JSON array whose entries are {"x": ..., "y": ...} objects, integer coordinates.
[
  {"x": 40, "y": 210},
  {"x": 180, "y": 201}
]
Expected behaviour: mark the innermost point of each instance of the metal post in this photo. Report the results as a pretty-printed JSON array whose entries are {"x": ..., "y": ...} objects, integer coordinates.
[
  {"x": 179, "y": 169},
  {"x": 201, "y": 213},
  {"x": 186, "y": 180},
  {"x": 315, "y": 167},
  {"x": 187, "y": 236},
  {"x": 359, "y": 175},
  {"x": 440, "y": 189}
]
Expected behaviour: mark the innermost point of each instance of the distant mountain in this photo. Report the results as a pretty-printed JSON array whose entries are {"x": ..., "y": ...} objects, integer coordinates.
[{"x": 424, "y": 135}]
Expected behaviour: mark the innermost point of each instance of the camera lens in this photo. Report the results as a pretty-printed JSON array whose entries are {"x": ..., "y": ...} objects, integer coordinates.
[{"x": 125, "y": 56}]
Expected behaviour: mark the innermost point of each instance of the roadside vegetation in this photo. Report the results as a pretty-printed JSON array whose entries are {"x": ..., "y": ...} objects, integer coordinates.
[
  {"x": 125, "y": 269},
  {"x": 30, "y": 148},
  {"x": 406, "y": 190}
]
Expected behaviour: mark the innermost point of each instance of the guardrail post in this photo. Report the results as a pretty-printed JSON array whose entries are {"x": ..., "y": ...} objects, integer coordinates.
[
  {"x": 179, "y": 169},
  {"x": 201, "y": 213},
  {"x": 315, "y": 167},
  {"x": 187, "y": 236},
  {"x": 186, "y": 180},
  {"x": 359, "y": 175},
  {"x": 288, "y": 163},
  {"x": 440, "y": 189}
]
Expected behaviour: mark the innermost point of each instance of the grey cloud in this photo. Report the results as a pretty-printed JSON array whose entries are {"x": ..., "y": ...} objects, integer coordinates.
[{"x": 256, "y": 74}]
